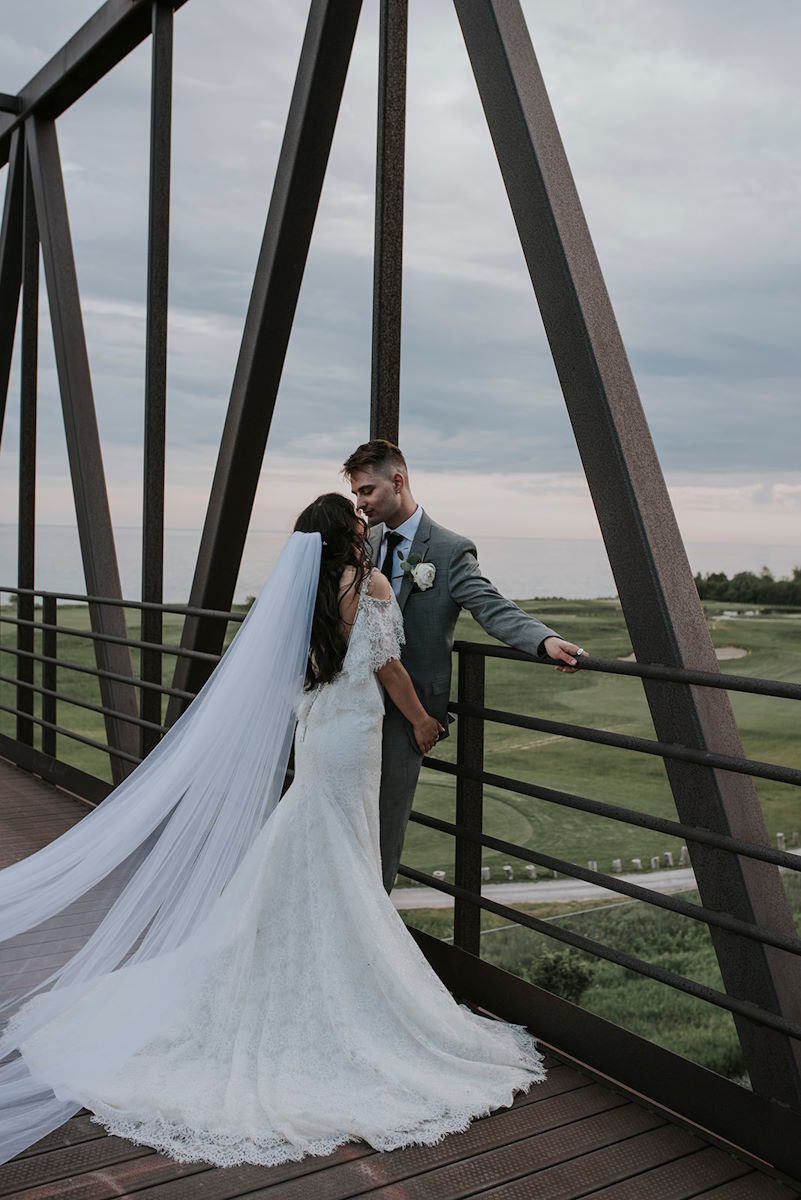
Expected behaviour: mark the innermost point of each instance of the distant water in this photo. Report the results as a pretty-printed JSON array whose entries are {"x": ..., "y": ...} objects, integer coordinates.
[{"x": 520, "y": 567}]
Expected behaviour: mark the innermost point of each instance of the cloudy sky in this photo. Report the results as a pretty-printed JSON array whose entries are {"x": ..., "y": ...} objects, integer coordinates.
[{"x": 681, "y": 123}]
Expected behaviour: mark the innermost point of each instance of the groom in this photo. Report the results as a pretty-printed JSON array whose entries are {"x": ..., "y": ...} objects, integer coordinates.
[{"x": 400, "y": 529}]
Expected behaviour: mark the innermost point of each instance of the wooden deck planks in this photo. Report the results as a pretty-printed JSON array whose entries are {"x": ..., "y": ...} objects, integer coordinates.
[{"x": 568, "y": 1137}]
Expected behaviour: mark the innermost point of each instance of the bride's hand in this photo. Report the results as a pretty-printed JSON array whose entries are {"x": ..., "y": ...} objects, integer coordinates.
[{"x": 426, "y": 733}]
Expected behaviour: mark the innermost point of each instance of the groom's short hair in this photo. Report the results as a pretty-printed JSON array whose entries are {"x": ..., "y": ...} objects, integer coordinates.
[{"x": 378, "y": 454}]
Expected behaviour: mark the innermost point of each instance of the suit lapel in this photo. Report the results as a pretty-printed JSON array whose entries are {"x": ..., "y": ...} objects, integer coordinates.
[
  {"x": 374, "y": 537},
  {"x": 419, "y": 546}
]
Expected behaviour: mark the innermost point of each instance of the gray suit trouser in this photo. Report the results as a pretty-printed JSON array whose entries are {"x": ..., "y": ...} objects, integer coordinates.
[{"x": 400, "y": 768}]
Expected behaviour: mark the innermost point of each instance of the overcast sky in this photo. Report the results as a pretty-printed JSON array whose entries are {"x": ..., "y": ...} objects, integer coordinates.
[{"x": 681, "y": 123}]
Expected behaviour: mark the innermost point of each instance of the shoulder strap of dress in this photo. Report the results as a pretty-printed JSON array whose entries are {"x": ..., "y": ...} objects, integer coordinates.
[{"x": 365, "y": 583}]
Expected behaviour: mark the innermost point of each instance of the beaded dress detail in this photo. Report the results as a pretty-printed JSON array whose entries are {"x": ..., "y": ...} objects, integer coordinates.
[{"x": 307, "y": 1015}]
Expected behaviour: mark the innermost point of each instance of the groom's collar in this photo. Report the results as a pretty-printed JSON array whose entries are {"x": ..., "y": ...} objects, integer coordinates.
[
  {"x": 409, "y": 527},
  {"x": 418, "y": 525}
]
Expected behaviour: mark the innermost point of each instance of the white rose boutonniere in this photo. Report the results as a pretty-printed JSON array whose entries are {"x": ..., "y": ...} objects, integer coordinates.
[{"x": 422, "y": 572}]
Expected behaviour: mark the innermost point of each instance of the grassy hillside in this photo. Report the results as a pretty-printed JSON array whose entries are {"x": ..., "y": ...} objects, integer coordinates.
[{"x": 769, "y": 729}]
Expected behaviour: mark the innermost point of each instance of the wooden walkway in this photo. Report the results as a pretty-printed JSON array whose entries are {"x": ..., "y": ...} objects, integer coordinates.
[{"x": 572, "y": 1136}]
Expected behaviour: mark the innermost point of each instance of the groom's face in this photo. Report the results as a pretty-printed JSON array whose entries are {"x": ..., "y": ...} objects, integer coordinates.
[{"x": 378, "y": 498}]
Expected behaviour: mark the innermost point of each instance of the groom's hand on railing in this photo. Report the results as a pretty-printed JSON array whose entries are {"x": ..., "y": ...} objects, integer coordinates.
[{"x": 564, "y": 652}]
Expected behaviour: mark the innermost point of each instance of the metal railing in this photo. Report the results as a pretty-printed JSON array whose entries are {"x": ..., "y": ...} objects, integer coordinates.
[
  {"x": 465, "y": 971},
  {"x": 471, "y": 776},
  {"x": 719, "y": 1104},
  {"x": 52, "y": 666}
]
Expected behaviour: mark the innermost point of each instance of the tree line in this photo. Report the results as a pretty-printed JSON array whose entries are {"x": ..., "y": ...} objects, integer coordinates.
[{"x": 748, "y": 588}]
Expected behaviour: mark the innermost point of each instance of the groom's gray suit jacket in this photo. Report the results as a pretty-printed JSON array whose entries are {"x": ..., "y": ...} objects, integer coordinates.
[{"x": 429, "y": 618}]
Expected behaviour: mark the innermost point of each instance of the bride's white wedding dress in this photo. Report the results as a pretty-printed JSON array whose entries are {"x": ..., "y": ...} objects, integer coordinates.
[{"x": 300, "y": 1014}]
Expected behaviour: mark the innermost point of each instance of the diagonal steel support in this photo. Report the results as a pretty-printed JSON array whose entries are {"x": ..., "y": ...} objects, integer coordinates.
[
  {"x": 313, "y": 110},
  {"x": 80, "y": 424},
  {"x": 388, "y": 257},
  {"x": 10, "y": 266},
  {"x": 642, "y": 538}
]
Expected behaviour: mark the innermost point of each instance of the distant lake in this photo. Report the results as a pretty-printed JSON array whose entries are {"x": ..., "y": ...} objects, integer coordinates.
[{"x": 520, "y": 567}]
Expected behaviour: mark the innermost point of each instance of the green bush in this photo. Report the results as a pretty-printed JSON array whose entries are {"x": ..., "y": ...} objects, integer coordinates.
[{"x": 560, "y": 972}]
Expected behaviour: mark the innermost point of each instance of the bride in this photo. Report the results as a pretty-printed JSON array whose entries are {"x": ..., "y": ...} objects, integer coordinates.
[{"x": 239, "y": 987}]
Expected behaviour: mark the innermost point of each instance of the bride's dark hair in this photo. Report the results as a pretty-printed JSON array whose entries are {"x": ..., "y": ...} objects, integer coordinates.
[{"x": 345, "y": 544}]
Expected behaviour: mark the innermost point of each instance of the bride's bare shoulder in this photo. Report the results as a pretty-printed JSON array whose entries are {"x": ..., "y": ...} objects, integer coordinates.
[{"x": 379, "y": 586}]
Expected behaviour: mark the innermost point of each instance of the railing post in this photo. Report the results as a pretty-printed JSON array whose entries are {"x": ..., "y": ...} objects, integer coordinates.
[
  {"x": 151, "y": 625},
  {"x": 469, "y": 803},
  {"x": 49, "y": 669},
  {"x": 388, "y": 256},
  {"x": 26, "y": 525}
]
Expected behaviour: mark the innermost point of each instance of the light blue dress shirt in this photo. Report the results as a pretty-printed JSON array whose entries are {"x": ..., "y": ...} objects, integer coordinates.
[{"x": 409, "y": 530}]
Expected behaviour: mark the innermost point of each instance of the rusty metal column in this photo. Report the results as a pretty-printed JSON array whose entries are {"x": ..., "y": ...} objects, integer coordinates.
[
  {"x": 158, "y": 249},
  {"x": 469, "y": 804},
  {"x": 26, "y": 523},
  {"x": 388, "y": 258},
  {"x": 10, "y": 264},
  {"x": 84, "y": 452},
  {"x": 645, "y": 549}
]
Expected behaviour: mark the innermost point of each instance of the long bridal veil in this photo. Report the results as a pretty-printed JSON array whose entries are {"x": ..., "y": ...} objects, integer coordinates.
[{"x": 138, "y": 875}]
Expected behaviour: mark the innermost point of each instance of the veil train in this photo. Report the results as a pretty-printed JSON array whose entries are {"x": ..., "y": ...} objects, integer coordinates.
[{"x": 140, "y": 873}]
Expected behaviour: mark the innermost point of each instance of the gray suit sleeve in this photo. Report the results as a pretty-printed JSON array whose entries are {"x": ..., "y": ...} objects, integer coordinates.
[{"x": 494, "y": 613}]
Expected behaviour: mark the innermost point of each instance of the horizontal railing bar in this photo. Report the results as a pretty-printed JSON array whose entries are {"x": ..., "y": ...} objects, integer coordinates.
[
  {"x": 186, "y": 610},
  {"x": 615, "y": 666},
  {"x": 743, "y": 1008},
  {"x": 70, "y": 631},
  {"x": 640, "y": 745},
  {"x": 616, "y": 812},
  {"x": 77, "y": 737},
  {"x": 68, "y": 699},
  {"x": 695, "y": 912},
  {"x": 69, "y": 665}
]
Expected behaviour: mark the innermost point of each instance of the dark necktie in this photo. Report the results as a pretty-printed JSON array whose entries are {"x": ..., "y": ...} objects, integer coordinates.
[{"x": 389, "y": 558}]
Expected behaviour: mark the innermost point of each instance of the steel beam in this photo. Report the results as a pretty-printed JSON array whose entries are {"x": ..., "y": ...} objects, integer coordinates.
[
  {"x": 80, "y": 423},
  {"x": 105, "y": 39},
  {"x": 313, "y": 109},
  {"x": 26, "y": 524},
  {"x": 10, "y": 266},
  {"x": 158, "y": 251},
  {"x": 645, "y": 548},
  {"x": 388, "y": 257},
  {"x": 469, "y": 804}
]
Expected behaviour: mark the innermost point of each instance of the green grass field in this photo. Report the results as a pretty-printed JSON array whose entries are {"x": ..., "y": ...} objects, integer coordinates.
[{"x": 769, "y": 729}]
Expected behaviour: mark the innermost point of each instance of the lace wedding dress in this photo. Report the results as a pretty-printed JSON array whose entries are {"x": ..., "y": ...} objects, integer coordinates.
[{"x": 301, "y": 1014}]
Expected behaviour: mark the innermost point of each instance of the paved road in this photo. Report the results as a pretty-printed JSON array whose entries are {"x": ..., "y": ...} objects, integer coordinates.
[
  {"x": 548, "y": 891},
  {"x": 553, "y": 891}
]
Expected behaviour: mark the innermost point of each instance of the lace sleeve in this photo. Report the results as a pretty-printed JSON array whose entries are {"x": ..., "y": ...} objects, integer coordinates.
[{"x": 384, "y": 629}]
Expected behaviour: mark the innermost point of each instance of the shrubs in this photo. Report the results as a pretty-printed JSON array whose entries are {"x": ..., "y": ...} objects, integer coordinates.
[
  {"x": 747, "y": 588},
  {"x": 560, "y": 972}
]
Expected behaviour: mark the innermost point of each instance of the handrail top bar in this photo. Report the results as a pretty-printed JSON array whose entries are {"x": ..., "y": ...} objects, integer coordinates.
[
  {"x": 778, "y": 688},
  {"x": 187, "y": 610}
]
